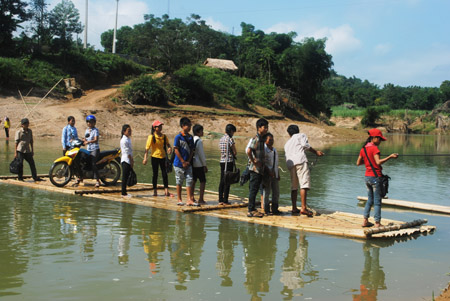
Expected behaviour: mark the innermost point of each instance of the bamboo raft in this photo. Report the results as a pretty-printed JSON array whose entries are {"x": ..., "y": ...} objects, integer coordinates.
[
  {"x": 341, "y": 224},
  {"x": 411, "y": 205}
]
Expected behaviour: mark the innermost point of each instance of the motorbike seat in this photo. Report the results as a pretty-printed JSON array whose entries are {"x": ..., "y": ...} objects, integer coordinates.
[{"x": 106, "y": 153}]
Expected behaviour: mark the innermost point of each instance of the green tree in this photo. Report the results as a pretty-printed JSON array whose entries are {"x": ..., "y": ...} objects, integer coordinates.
[
  {"x": 306, "y": 65},
  {"x": 12, "y": 14},
  {"x": 64, "y": 21},
  {"x": 445, "y": 90},
  {"x": 40, "y": 23}
]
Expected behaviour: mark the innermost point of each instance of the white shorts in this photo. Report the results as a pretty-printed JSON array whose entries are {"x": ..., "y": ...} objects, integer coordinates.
[{"x": 300, "y": 176}]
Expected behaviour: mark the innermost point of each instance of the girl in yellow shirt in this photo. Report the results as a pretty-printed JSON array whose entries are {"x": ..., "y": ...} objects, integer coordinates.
[
  {"x": 158, "y": 143},
  {"x": 7, "y": 125}
]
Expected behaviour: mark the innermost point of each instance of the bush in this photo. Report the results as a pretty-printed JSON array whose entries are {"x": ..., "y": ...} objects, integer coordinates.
[
  {"x": 11, "y": 72},
  {"x": 370, "y": 116},
  {"x": 145, "y": 91}
]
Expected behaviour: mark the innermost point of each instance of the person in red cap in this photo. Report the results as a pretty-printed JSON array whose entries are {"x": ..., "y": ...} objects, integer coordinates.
[
  {"x": 159, "y": 144},
  {"x": 371, "y": 179}
]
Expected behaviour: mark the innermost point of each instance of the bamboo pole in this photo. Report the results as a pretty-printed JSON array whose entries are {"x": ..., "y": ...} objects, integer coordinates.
[
  {"x": 412, "y": 205},
  {"x": 417, "y": 222},
  {"x": 25, "y": 177},
  {"x": 85, "y": 191},
  {"x": 28, "y": 109},
  {"x": 213, "y": 207}
]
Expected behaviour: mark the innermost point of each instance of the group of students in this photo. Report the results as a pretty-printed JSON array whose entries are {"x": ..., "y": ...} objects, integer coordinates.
[{"x": 189, "y": 162}]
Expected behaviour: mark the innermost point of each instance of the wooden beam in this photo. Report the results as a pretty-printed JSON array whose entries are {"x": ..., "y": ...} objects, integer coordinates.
[{"x": 417, "y": 222}]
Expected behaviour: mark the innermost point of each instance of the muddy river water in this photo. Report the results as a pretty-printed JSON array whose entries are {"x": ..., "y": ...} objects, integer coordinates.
[{"x": 57, "y": 246}]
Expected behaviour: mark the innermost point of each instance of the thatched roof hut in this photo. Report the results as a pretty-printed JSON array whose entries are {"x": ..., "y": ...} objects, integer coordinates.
[{"x": 220, "y": 64}]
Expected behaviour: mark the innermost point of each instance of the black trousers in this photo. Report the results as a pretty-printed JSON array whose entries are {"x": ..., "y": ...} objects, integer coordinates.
[
  {"x": 126, "y": 170},
  {"x": 255, "y": 184},
  {"x": 224, "y": 189},
  {"x": 29, "y": 158},
  {"x": 161, "y": 164},
  {"x": 94, "y": 158}
]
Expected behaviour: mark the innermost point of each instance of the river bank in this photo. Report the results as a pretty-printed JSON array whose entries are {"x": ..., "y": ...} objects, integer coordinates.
[{"x": 49, "y": 116}]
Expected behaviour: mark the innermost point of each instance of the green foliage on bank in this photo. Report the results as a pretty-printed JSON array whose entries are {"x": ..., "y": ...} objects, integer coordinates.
[
  {"x": 145, "y": 91},
  {"x": 195, "y": 84},
  {"x": 90, "y": 68}
]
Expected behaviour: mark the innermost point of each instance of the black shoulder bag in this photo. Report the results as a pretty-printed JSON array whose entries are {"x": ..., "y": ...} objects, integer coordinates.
[
  {"x": 384, "y": 179},
  {"x": 168, "y": 162}
]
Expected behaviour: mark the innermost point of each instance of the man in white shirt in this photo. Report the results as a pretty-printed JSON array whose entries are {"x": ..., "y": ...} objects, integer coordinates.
[{"x": 297, "y": 163}]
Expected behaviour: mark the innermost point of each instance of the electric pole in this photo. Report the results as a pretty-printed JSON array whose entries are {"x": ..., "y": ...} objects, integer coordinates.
[
  {"x": 86, "y": 26},
  {"x": 115, "y": 29}
]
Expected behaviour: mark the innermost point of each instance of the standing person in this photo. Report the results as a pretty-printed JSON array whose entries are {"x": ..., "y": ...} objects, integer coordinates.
[
  {"x": 91, "y": 140},
  {"x": 184, "y": 151},
  {"x": 227, "y": 154},
  {"x": 297, "y": 163},
  {"x": 127, "y": 157},
  {"x": 25, "y": 149},
  {"x": 7, "y": 125},
  {"x": 69, "y": 133},
  {"x": 371, "y": 179},
  {"x": 199, "y": 165},
  {"x": 271, "y": 176},
  {"x": 160, "y": 147},
  {"x": 256, "y": 159}
]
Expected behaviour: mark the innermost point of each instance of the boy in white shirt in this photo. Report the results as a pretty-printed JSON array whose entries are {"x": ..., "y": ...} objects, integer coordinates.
[
  {"x": 199, "y": 165},
  {"x": 271, "y": 176}
]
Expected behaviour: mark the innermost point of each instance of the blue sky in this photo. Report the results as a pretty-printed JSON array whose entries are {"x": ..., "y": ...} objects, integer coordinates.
[{"x": 404, "y": 42}]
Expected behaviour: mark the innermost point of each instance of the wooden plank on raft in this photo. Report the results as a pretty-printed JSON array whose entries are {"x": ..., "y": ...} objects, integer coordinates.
[{"x": 412, "y": 205}]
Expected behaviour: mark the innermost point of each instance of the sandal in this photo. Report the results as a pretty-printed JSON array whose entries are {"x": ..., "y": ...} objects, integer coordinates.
[
  {"x": 307, "y": 213},
  {"x": 193, "y": 204},
  {"x": 169, "y": 195},
  {"x": 367, "y": 225},
  {"x": 180, "y": 204},
  {"x": 255, "y": 214},
  {"x": 97, "y": 185},
  {"x": 296, "y": 211}
]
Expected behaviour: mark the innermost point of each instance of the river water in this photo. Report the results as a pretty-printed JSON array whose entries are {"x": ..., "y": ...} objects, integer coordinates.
[{"x": 57, "y": 246}]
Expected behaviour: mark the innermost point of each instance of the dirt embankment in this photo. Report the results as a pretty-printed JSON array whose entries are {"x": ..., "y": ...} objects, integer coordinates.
[{"x": 49, "y": 116}]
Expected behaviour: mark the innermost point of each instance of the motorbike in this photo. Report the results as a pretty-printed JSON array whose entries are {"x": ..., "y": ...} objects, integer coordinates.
[{"x": 76, "y": 162}]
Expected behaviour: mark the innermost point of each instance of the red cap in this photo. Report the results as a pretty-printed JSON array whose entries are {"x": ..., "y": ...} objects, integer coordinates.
[
  {"x": 376, "y": 133},
  {"x": 157, "y": 123}
]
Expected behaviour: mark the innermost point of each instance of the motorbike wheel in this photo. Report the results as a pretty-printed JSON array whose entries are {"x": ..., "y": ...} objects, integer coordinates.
[
  {"x": 110, "y": 174},
  {"x": 60, "y": 174}
]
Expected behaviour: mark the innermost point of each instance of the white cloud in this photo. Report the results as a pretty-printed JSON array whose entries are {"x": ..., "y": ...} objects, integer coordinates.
[
  {"x": 382, "y": 49},
  {"x": 216, "y": 25},
  {"x": 283, "y": 27},
  {"x": 425, "y": 68},
  {"x": 340, "y": 39}
]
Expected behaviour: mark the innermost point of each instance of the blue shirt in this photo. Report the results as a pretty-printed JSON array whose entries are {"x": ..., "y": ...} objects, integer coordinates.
[
  {"x": 90, "y": 135},
  {"x": 69, "y": 133},
  {"x": 185, "y": 145}
]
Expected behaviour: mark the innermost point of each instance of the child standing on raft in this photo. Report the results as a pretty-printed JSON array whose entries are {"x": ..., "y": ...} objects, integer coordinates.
[
  {"x": 199, "y": 169},
  {"x": 126, "y": 159},
  {"x": 159, "y": 144}
]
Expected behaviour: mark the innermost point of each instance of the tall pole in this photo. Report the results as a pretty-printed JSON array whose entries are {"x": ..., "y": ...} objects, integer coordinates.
[
  {"x": 115, "y": 29},
  {"x": 86, "y": 26}
]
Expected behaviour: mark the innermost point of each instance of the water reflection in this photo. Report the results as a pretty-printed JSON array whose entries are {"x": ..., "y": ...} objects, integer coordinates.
[
  {"x": 228, "y": 239},
  {"x": 297, "y": 269},
  {"x": 260, "y": 246},
  {"x": 155, "y": 236},
  {"x": 125, "y": 230},
  {"x": 373, "y": 277},
  {"x": 186, "y": 248}
]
